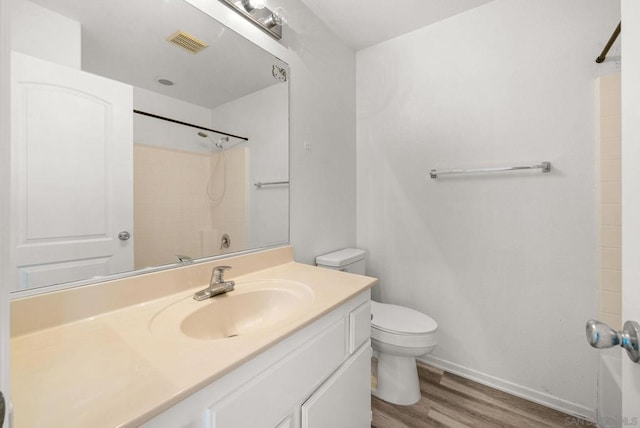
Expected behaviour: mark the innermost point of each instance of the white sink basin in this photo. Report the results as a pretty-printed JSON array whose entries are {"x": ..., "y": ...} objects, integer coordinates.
[{"x": 253, "y": 306}]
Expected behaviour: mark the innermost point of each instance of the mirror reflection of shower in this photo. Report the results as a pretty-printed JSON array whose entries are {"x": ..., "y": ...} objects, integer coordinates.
[{"x": 217, "y": 144}]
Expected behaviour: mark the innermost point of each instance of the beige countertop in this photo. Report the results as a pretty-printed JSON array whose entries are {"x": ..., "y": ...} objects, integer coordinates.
[{"x": 112, "y": 370}]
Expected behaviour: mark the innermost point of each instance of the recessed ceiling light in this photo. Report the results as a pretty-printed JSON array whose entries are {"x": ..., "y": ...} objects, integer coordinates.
[{"x": 165, "y": 82}]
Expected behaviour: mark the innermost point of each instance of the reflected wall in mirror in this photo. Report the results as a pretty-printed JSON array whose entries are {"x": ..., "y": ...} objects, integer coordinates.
[{"x": 100, "y": 190}]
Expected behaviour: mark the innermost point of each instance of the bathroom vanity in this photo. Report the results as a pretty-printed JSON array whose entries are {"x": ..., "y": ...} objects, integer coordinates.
[{"x": 293, "y": 352}]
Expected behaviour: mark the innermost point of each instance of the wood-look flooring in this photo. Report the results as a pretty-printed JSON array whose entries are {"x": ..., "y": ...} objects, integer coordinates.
[{"x": 451, "y": 401}]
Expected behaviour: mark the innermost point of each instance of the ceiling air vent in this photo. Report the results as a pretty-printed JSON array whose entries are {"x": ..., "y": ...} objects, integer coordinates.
[{"x": 187, "y": 42}]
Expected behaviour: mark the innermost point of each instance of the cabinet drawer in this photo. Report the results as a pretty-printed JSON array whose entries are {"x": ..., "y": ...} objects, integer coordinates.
[
  {"x": 359, "y": 326},
  {"x": 266, "y": 399}
]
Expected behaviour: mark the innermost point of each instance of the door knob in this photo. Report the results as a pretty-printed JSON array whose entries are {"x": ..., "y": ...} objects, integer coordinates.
[
  {"x": 2, "y": 409},
  {"x": 600, "y": 335},
  {"x": 124, "y": 235}
]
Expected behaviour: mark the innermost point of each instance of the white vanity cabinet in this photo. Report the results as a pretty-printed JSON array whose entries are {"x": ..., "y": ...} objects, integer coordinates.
[
  {"x": 343, "y": 401},
  {"x": 316, "y": 378}
]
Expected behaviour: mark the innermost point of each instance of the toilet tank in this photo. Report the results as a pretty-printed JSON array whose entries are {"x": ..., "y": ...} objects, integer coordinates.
[{"x": 349, "y": 260}]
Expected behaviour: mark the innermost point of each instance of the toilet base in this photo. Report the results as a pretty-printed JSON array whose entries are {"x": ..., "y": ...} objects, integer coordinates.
[{"x": 397, "y": 380}]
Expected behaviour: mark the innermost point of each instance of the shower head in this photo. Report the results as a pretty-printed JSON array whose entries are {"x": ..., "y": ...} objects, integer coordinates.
[{"x": 218, "y": 143}]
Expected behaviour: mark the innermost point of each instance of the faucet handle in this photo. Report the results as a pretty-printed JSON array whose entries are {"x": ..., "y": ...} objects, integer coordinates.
[{"x": 218, "y": 273}]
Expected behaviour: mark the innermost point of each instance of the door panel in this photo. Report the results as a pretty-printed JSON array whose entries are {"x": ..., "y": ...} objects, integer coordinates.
[
  {"x": 72, "y": 137},
  {"x": 630, "y": 199}
]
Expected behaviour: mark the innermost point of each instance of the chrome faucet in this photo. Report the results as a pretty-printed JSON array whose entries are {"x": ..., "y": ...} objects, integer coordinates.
[{"x": 217, "y": 284}]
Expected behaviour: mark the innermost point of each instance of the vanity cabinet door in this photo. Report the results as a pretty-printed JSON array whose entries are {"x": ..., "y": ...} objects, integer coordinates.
[
  {"x": 268, "y": 398},
  {"x": 344, "y": 400}
]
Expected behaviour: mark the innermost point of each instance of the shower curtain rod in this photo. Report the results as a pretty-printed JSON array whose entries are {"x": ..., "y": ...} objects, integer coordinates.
[
  {"x": 610, "y": 43},
  {"x": 168, "y": 119}
]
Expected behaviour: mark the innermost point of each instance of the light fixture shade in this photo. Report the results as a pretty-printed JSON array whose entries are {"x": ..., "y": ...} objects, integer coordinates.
[
  {"x": 273, "y": 20},
  {"x": 250, "y": 5},
  {"x": 257, "y": 11}
]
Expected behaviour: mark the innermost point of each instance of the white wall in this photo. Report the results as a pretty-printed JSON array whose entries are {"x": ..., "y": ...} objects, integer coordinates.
[
  {"x": 39, "y": 32},
  {"x": 263, "y": 118},
  {"x": 322, "y": 103},
  {"x": 506, "y": 262},
  {"x": 156, "y": 132},
  {"x": 630, "y": 197}
]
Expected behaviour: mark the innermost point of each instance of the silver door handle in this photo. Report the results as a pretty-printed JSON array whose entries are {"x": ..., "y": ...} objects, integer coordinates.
[
  {"x": 600, "y": 335},
  {"x": 124, "y": 235}
]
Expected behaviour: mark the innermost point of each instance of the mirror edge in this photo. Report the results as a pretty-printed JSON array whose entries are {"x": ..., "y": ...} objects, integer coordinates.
[{"x": 20, "y": 294}]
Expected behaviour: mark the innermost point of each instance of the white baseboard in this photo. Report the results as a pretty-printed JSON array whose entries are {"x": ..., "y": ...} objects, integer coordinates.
[{"x": 512, "y": 388}]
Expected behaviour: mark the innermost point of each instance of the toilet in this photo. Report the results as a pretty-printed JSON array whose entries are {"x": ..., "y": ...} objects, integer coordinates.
[{"x": 398, "y": 335}]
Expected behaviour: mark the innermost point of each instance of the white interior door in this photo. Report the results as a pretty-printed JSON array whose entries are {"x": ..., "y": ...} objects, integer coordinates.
[
  {"x": 630, "y": 199},
  {"x": 4, "y": 196},
  {"x": 72, "y": 192}
]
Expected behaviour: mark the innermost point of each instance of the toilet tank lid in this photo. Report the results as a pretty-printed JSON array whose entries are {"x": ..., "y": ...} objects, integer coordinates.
[{"x": 341, "y": 258}]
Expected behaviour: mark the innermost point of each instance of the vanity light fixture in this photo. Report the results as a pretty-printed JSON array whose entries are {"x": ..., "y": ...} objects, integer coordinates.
[
  {"x": 250, "y": 5},
  {"x": 256, "y": 11}
]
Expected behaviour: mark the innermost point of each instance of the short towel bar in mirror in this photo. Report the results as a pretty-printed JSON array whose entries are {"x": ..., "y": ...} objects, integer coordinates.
[{"x": 260, "y": 184}]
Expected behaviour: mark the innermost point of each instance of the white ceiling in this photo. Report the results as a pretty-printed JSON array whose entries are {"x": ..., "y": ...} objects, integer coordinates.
[
  {"x": 125, "y": 40},
  {"x": 364, "y": 23}
]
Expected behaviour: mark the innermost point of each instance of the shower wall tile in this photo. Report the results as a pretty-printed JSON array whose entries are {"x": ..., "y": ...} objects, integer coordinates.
[
  {"x": 611, "y": 236},
  {"x": 609, "y": 295},
  {"x": 610, "y": 127},
  {"x": 611, "y": 103},
  {"x": 610, "y": 215},
  {"x": 611, "y": 302},
  {"x": 610, "y": 170},
  {"x": 173, "y": 213},
  {"x": 614, "y": 320},
  {"x": 611, "y": 100},
  {"x": 610, "y": 84},
  {"x": 610, "y": 149},
  {"x": 611, "y": 258},
  {"x": 611, "y": 192},
  {"x": 610, "y": 280}
]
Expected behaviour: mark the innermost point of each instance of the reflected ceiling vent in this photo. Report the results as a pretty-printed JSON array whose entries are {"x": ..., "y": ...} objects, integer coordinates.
[{"x": 187, "y": 42}]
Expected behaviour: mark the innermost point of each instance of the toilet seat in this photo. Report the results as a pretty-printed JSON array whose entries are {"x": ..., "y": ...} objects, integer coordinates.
[
  {"x": 401, "y": 326},
  {"x": 400, "y": 320}
]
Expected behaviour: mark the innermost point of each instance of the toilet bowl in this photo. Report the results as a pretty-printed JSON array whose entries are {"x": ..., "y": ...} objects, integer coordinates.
[{"x": 398, "y": 335}]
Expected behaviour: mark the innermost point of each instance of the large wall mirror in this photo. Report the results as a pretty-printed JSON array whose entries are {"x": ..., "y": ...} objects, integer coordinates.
[{"x": 145, "y": 134}]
